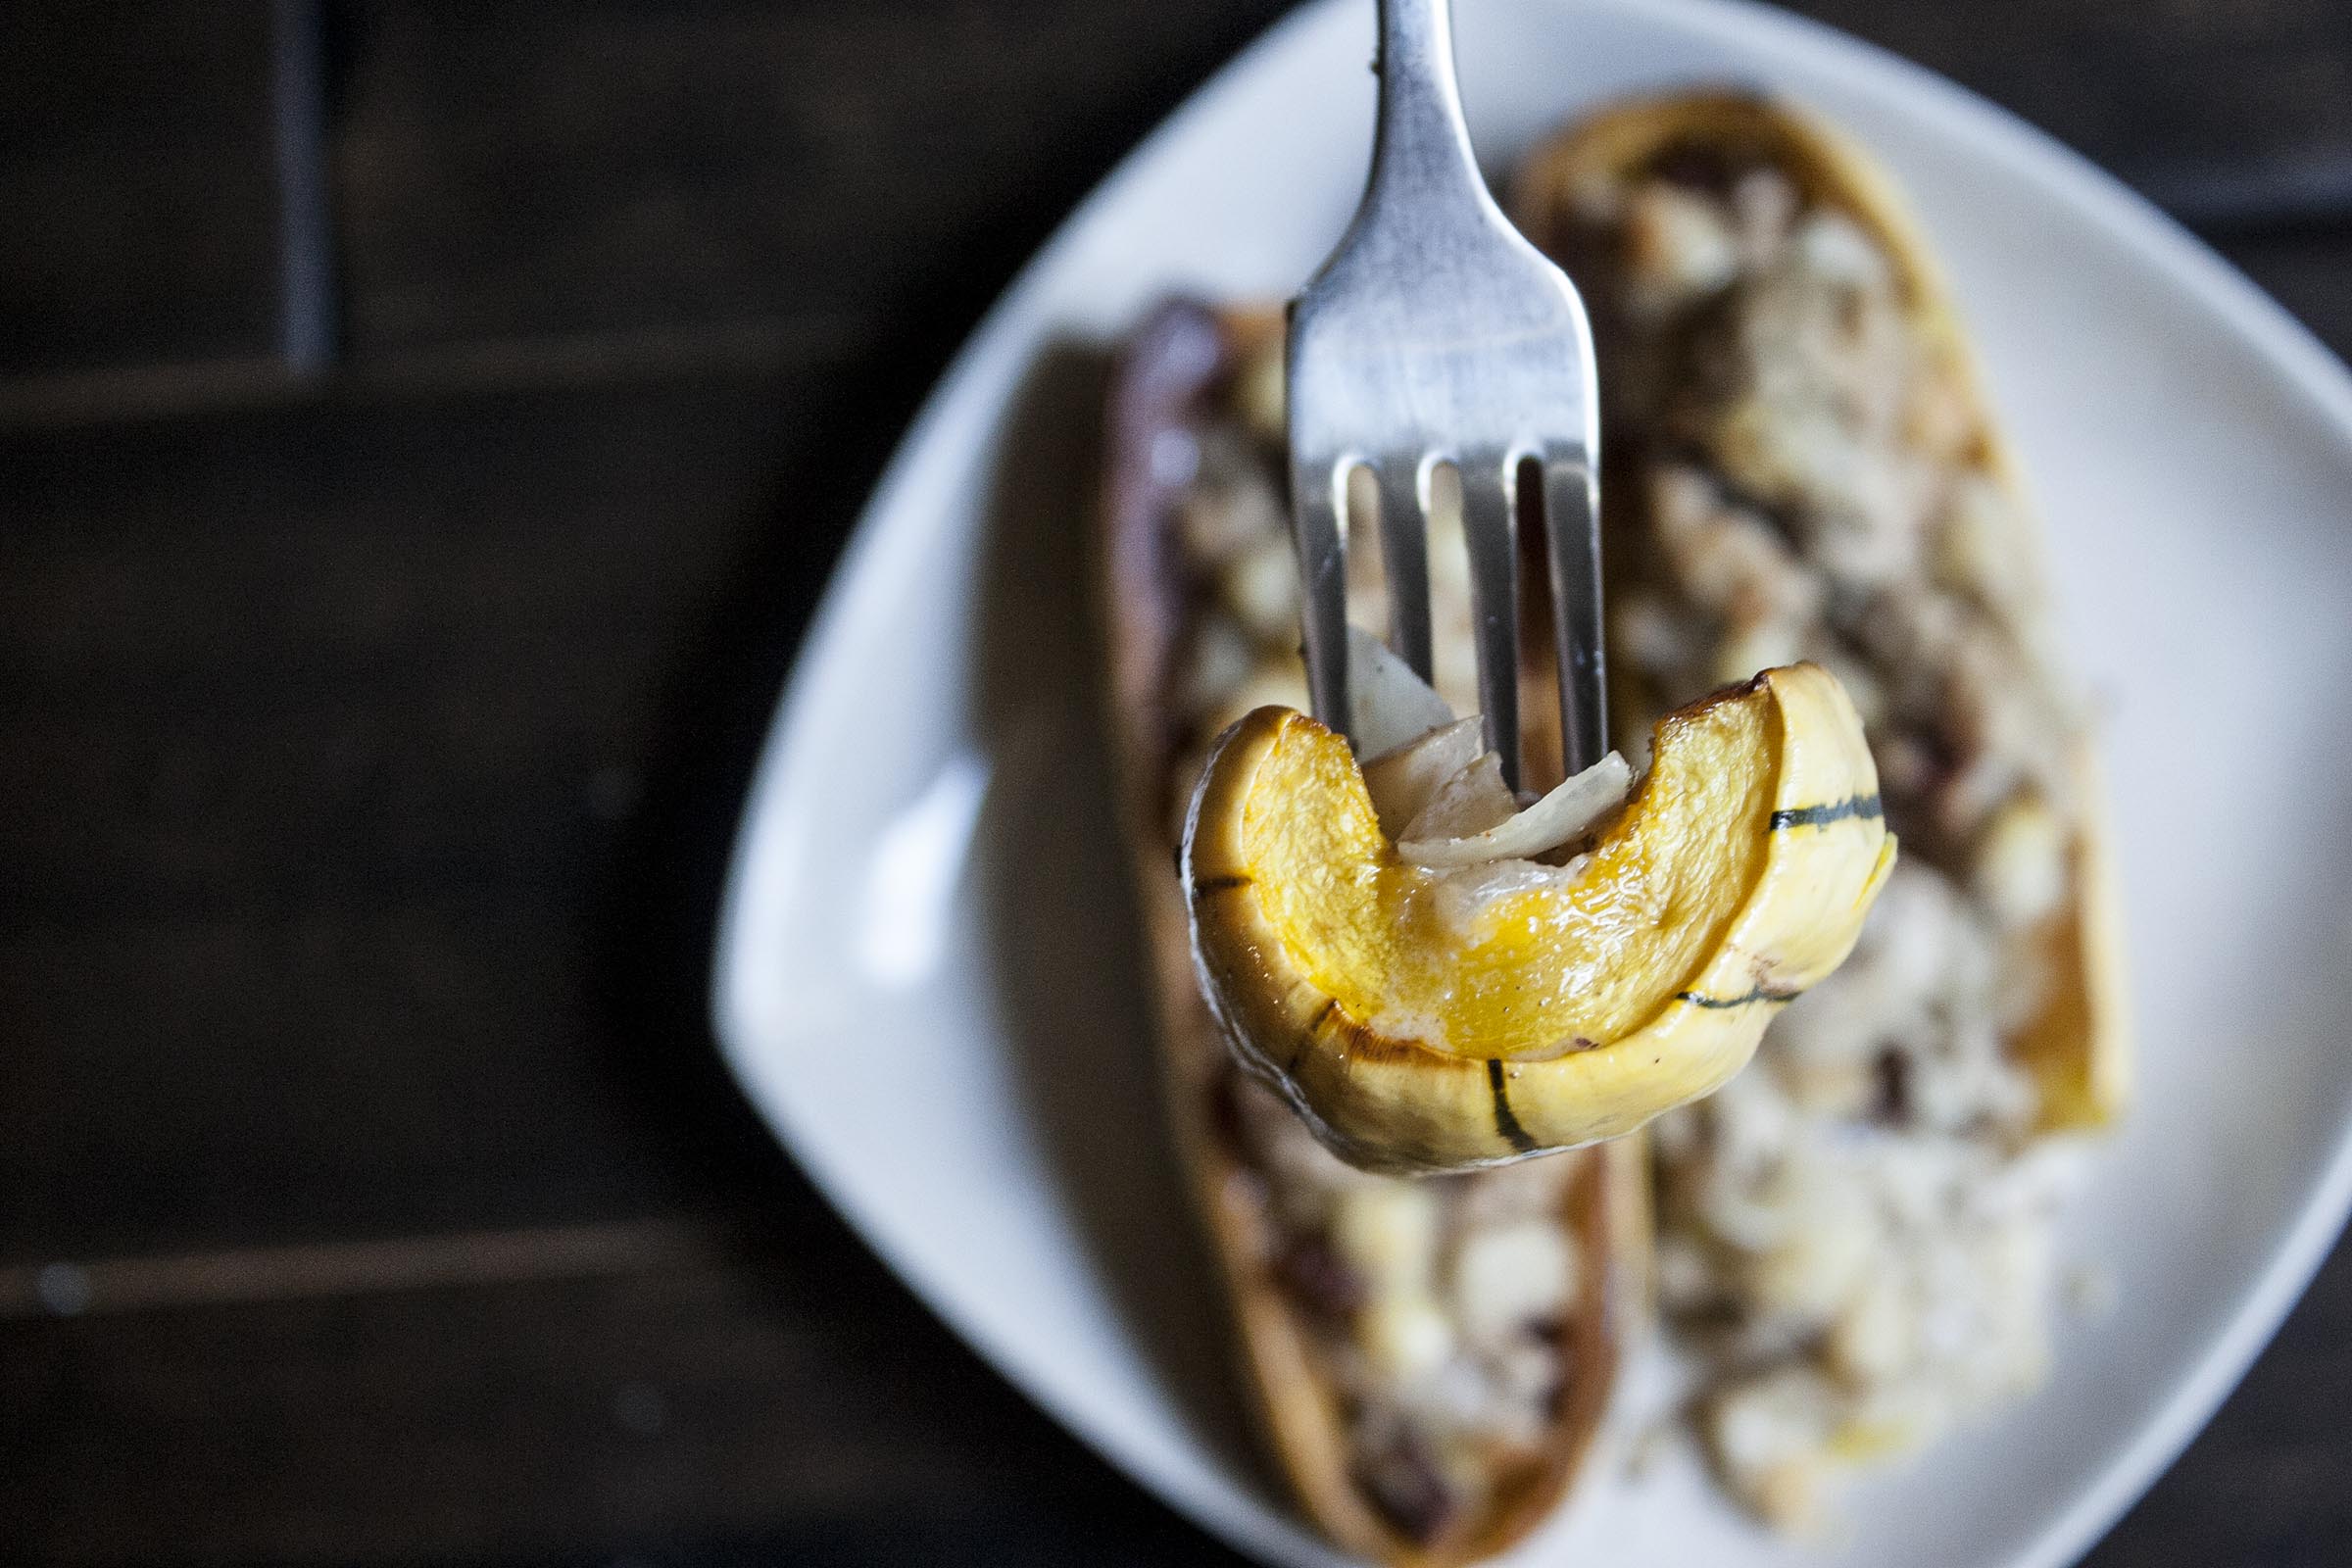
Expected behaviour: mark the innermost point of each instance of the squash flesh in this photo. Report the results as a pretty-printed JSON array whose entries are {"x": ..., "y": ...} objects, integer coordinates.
[{"x": 1590, "y": 955}]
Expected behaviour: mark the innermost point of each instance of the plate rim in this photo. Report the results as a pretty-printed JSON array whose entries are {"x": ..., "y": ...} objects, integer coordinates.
[{"x": 2021, "y": 151}]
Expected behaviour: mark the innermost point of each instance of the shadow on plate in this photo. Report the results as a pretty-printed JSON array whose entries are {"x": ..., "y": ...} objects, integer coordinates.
[{"x": 1062, "y": 934}]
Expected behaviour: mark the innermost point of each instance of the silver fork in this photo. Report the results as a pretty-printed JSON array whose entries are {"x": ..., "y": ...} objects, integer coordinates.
[{"x": 1437, "y": 335}]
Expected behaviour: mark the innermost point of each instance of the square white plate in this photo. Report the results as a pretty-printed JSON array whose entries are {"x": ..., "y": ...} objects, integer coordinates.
[{"x": 927, "y": 977}]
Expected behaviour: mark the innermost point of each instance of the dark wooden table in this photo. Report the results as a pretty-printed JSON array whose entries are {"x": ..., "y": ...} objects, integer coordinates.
[{"x": 424, "y": 430}]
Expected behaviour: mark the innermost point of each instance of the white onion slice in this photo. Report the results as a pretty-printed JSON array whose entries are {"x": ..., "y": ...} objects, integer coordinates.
[
  {"x": 1403, "y": 779},
  {"x": 1387, "y": 704},
  {"x": 1474, "y": 800},
  {"x": 1567, "y": 812}
]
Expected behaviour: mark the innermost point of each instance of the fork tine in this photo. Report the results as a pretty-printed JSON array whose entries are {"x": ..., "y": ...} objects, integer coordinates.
[
  {"x": 1490, "y": 528},
  {"x": 1318, "y": 492},
  {"x": 1405, "y": 557},
  {"x": 1436, "y": 330},
  {"x": 1572, "y": 540}
]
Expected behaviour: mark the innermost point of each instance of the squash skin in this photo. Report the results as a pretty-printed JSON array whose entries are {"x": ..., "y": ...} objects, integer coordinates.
[{"x": 1409, "y": 1106}]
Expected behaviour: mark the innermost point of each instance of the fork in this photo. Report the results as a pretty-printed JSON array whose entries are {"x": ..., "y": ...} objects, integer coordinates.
[{"x": 1435, "y": 334}]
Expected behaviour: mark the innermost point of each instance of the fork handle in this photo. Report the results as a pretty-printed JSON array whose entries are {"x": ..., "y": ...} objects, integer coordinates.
[{"x": 1421, "y": 156}]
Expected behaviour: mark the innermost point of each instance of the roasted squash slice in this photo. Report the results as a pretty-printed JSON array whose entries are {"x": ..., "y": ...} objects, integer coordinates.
[{"x": 1440, "y": 1018}]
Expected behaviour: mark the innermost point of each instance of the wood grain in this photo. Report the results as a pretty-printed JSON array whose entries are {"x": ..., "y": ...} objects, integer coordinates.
[
  {"x": 374, "y": 706},
  {"x": 777, "y": 1392},
  {"x": 145, "y": 187},
  {"x": 2231, "y": 113},
  {"x": 366, "y": 766},
  {"x": 511, "y": 170}
]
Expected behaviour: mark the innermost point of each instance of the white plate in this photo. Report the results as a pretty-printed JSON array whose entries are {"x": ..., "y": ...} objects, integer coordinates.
[{"x": 927, "y": 977}]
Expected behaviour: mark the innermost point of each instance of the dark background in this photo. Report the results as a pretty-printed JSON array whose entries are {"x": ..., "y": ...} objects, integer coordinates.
[{"x": 423, "y": 431}]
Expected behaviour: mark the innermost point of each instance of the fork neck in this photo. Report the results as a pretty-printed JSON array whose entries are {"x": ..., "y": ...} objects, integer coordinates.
[{"x": 1421, "y": 152}]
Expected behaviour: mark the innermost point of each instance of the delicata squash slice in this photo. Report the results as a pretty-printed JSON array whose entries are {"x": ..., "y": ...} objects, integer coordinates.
[
  {"x": 1440, "y": 1017},
  {"x": 1429, "y": 1358}
]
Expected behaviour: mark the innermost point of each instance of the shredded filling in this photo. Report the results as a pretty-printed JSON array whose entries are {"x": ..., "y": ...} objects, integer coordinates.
[{"x": 1857, "y": 1231}]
